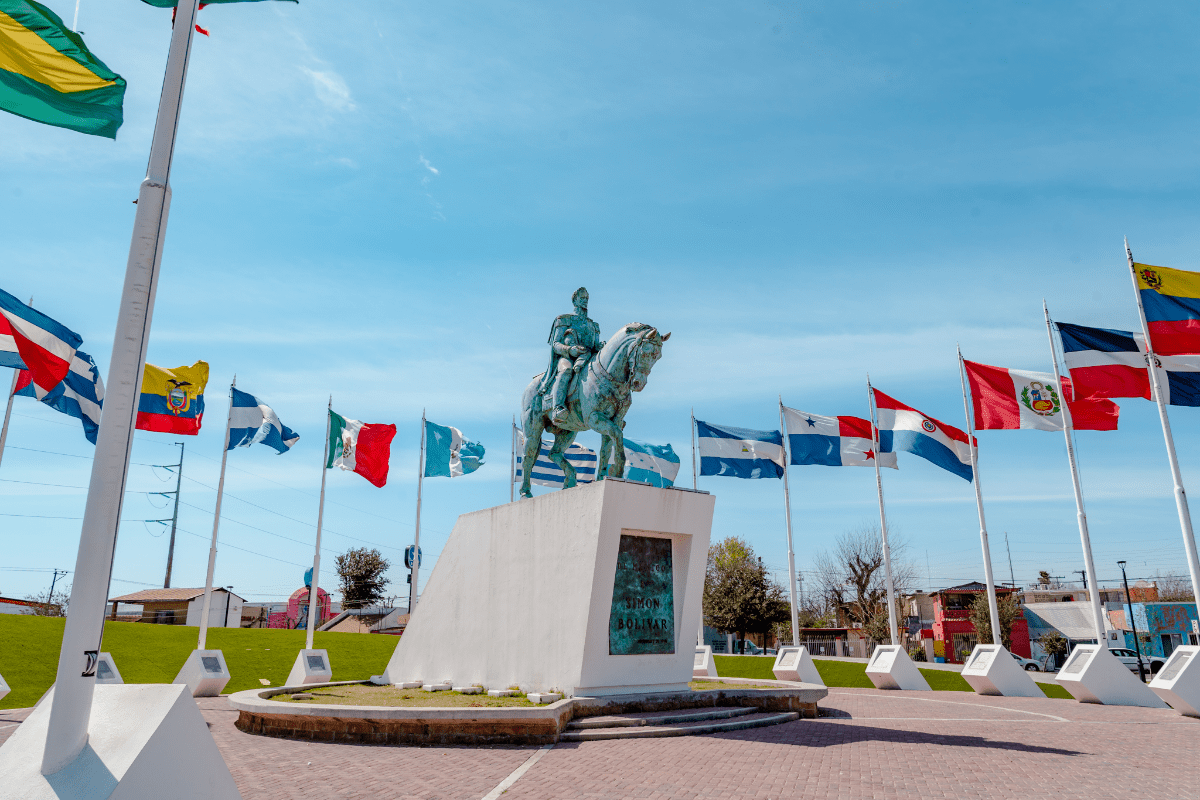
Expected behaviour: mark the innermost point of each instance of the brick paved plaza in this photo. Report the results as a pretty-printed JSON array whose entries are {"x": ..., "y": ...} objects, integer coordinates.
[{"x": 869, "y": 744}]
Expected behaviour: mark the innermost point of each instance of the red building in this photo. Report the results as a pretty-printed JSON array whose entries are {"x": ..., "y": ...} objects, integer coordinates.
[{"x": 952, "y": 624}]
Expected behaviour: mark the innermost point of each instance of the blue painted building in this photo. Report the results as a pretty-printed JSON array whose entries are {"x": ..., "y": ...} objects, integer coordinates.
[{"x": 1161, "y": 627}]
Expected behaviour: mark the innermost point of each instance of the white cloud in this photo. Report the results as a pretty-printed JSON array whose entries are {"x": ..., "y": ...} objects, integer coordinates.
[
  {"x": 425, "y": 163},
  {"x": 331, "y": 89}
]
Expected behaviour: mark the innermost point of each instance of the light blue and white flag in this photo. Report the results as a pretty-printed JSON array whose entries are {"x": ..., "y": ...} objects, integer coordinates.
[
  {"x": 739, "y": 452},
  {"x": 449, "y": 454},
  {"x": 547, "y": 473},
  {"x": 655, "y": 464},
  {"x": 252, "y": 421}
]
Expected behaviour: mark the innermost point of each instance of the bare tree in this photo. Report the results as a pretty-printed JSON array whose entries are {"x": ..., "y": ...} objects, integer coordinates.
[
  {"x": 47, "y": 605},
  {"x": 1176, "y": 588},
  {"x": 851, "y": 577}
]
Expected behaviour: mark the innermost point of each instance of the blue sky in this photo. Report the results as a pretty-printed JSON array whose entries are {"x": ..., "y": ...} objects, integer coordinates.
[{"x": 390, "y": 203}]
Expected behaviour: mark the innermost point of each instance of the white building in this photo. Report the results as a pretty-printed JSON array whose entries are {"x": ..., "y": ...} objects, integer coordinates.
[{"x": 183, "y": 607}]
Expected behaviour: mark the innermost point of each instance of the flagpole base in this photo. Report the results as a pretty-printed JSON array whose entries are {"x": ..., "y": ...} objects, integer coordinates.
[
  {"x": 1093, "y": 675},
  {"x": 796, "y": 664},
  {"x": 991, "y": 670},
  {"x": 1178, "y": 682},
  {"x": 704, "y": 666},
  {"x": 312, "y": 666},
  {"x": 204, "y": 673},
  {"x": 891, "y": 668},
  {"x": 4, "y": 690}
]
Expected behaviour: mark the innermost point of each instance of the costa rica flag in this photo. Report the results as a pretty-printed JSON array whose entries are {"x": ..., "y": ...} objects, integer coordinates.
[{"x": 43, "y": 346}]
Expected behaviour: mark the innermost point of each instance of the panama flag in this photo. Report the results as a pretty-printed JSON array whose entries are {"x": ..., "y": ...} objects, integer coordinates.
[
  {"x": 1111, "y": 363},
  {"x": 905, "y": 430},
  {"x": 655, "y": 464},
  {"x": 1009, "y": 399},
  {"x": 449, "y": 454},
  {"x": 547, "y": 473},
  {"x": 41, "y": 345},
  {"x": 357, "y": 447},
  {"x": 739, "y": 452},
  {"x": 251, "y": 421},
  {"x": 832, "y": 441},
  {"x": 80, "y": 394}
]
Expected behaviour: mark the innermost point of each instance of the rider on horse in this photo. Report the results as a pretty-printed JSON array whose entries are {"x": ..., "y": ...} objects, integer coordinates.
[{"x": 574, "y": 340}]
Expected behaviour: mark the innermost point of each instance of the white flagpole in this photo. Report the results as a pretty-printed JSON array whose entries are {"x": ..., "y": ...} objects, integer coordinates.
[
  {"x": 787, "y": 515},
  {"x": 893, "y": 625},
  {"x": 693, "y": 448},
  {"x": 973, "y": 445},
  {"x": 1080, "y": 514},
  {"x": 314, "y": 589},
  {"x": 413, "y": 571},
  {"x": 8, "y": 409},
  {"x": 512, "y": 461},
  {"x": 75, "y": 22},
  {"x": 71, "y": 708},
  {"x": 212, "y": 550},
  {"x": 1181, "y": 503}
]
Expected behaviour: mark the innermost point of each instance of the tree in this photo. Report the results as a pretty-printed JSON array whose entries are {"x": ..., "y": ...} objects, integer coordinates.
[
  {"x": 1053, "y": 645},
  {"x": 1177, "y": 588},
  {"x": 852, "y": 578},
  {"x": 360, "y": 572},
  {"x": 739, "y": 594},
  {"x": 50, "y": 606},
  {"x": 981, "y": 617},
  {"x": 1044, "y": 577}
]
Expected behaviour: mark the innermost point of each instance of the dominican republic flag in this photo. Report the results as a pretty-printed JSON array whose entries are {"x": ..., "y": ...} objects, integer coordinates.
[
  {"x": 1009, "y": 399},
  {"x": 1110, "y": 363},
  {"x": 739, "y": 452},
  {"x": 79, "y": 395},
  {"x": 547, "y": 473},
  {"x": 905, "y": 430},
  {"x": 832, "y": 441},
  {"x": 655, "y": 464},
  {"x": 449, "y": 454},
  {"x": 357, "y": 447},
  {"x": 31, "y": 340},
  {"x": 251, "y": 421},
  {"x": 1171, "y": 299}
]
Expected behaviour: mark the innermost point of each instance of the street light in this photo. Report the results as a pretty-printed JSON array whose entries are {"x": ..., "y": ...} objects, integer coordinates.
[{"x": 1136, "y": 644}]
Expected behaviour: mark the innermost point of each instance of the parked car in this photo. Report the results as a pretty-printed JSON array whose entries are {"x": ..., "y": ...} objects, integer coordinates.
[
  {"x": 752, "y": 649},
  {"x": 1129, "y": 658},
  {"x": 1027, "y": 663}
]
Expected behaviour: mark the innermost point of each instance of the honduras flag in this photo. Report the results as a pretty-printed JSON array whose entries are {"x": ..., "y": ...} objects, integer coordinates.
[
  {"x": 832, "y": 441},
  {"x": 80, "y": 394},
  {"x": 252, "y": 421},
  {"x": 905, "y": 430},
  {"x": 547, "y": 473},
  {"x": 739, "y": 452},
  {"x": 655, "y": 464}
]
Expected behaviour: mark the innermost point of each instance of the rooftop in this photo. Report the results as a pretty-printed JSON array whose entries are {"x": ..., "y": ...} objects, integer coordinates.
[{"x": 162, "y": 595}]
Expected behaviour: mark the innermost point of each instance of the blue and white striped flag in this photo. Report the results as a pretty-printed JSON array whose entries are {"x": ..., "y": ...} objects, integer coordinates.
[
  {"x": 655, "y": 464},
  {"x": 252, "y": 421},
  {"x": 547, "y": 473},
  {"x": 80, "y": 395},
  {"x": 739, "y": 452}
]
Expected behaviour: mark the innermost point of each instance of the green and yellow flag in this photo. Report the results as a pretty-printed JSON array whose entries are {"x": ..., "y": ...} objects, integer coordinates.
[
  {"x": 48, "y": 75},
  {"x": 173, "y": 3}
]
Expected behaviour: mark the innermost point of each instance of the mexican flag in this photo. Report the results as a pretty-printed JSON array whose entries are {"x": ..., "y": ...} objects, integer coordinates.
[{"x": 357, "y": 447}]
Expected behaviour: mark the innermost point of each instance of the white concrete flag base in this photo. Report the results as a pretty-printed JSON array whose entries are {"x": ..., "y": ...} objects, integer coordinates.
[
  {"x": 204, "y": 673},
  {"x": 312, "y": 666},
  {"x": 704, "y": 666},
  {"x": 1178, "y": 682},
  {"x": 107, "y": 673},
  {"x": 531, "y": 584},
  {"x": 795, "y": 664},
  {"x": 3, "y": 688},
  {"x": 145, "y": 742},
  {"x": 992, "y": 670},
  {"x": 891, "y": 668},
  {"x": 1094, "y": 675}
]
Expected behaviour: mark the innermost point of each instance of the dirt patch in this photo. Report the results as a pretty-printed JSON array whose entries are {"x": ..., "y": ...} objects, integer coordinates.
[
  {"x": 368, "y": 695},
  {"x": 709, "y": 686}
]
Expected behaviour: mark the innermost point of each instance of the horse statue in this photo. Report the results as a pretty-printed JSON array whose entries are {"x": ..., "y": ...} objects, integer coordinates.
[{"x": 598, "y": 398}]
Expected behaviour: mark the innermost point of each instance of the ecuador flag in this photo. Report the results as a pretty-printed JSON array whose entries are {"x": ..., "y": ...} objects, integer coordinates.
[
  {"x": 48, "y": 75},
  {"x": 173, "y": 399}
]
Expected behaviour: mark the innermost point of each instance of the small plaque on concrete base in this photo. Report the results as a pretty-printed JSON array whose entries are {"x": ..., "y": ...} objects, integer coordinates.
[
  {"x": 312, "y": 666},
  {"x": 992, "y": 670},
  {"x": 704, "y": 666},
  {"x": 204, "y": 673},
  {"x": 1178, "y": 682},
  {"x": 1093, "y": 675},
  {"x": 106, "y": 670},
  {"x": 891, "y": 668},
  {"x": 795, "y": 664}
]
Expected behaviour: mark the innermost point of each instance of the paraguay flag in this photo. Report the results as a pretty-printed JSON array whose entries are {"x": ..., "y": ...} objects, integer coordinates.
[
  {"x": 1111, "y": 363},
  {"x": 832, "y": 441},
  {"x": 905, "y": 430},
  {"x": 739, "y": 452},
  {"x": 31, "y": 340},
  {"x": 80, "y": 394},
  {"x": 251, "y": 421}
]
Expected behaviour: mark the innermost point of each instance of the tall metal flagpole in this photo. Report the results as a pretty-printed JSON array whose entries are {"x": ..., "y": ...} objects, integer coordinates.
[
  {"x": 973, "y": 446},
  {"x": 893, "y": 625},
  {"x": 693, "y": 448},
  {"x": 1088, "y": 563},
  {"x": 413, "y": 570},
  {"x": 212, "y": 549},
  {"x": 512, "y": 461},
  {"x": 787, "y": 514},
  {"x": 314, "y": 588},
  {"x": 1181, "y": 503},
  {"x": 71, "y": 708},
  {"x": 8, "y": 409}
]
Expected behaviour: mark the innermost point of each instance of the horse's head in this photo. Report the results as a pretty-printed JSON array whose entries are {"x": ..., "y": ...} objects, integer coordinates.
[{"x": 646, "y": 350}]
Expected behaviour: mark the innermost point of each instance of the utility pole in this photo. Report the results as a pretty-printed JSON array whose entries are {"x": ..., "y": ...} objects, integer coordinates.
[
  {"x": 1083, "y": 574},
  {"x": 1137, "y": 646},
  {"x": 1011, "y": 575},
  {"x": 174, "y": 517},
  {"x": 54, "y": 580}
]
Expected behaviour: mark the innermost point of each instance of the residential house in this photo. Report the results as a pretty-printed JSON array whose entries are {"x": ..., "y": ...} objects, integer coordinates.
[
  {"x": 374, "y": 619},
  {"x": 1161, "y": 627},
  {"x": 183, "y": 607},
  {"x": 952, "y": 626}
]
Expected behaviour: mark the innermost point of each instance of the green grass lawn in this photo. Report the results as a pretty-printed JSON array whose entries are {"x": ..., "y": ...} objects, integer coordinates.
[{"x": 154, "y": 653}]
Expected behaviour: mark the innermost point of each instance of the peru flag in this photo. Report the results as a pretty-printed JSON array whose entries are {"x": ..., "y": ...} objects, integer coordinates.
[
  {"x": 1009, "y": 399},
  {"x": 832, "y": 441},
  {"x": 45, "y": 347}
]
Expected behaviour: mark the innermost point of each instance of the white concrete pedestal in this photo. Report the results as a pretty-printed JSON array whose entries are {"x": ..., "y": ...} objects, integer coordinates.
[
  {"x": 531, "y": 587},
  {"x": 312, "y": 666},
  {"x": 1178, "y": 682},
  {"x": 795, "y": 664},
  {"x": 992, "y": 670},
  {"x": 704, "y": 666},
  {"x": 145, "y": 741},
  {"x": 3, "y": 688},
  {"x": 1093, "y": 675},
  {"x": 204, "y": 673},
  {"x": 891, "y": 668},
  {"x": 107, "y": 672}
]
